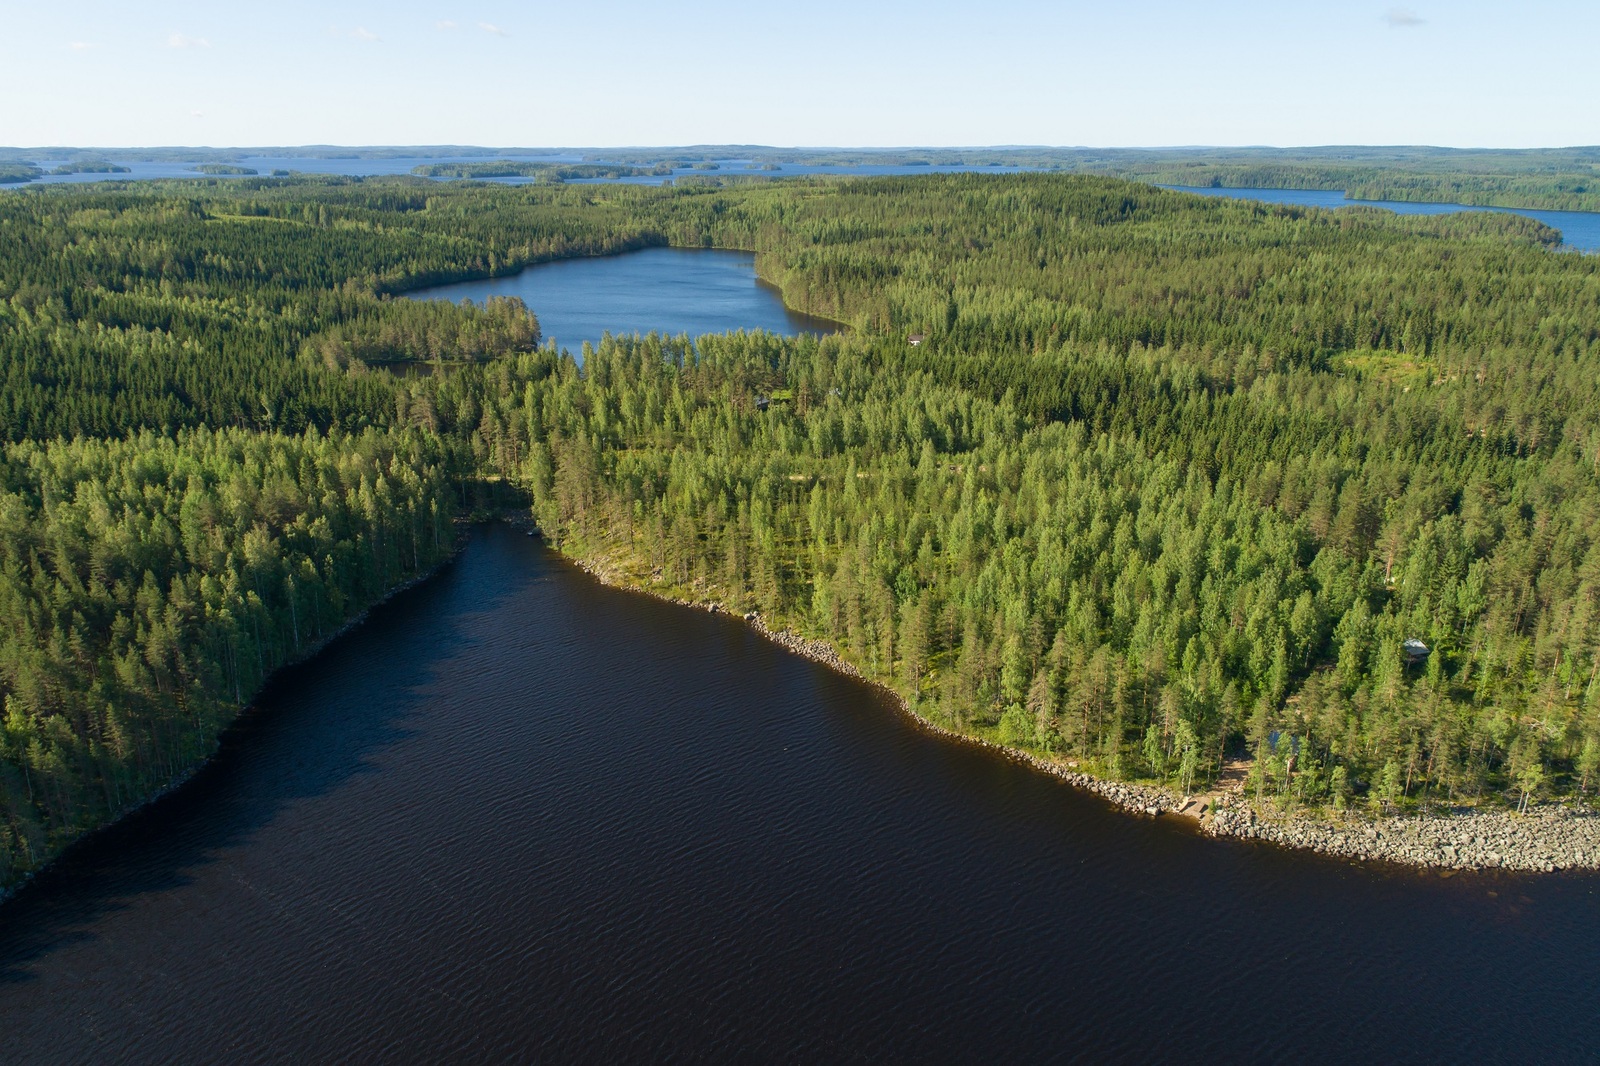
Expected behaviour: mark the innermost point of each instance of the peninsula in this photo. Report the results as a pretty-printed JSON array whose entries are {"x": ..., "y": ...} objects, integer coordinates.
[{"x": 1164, "y": 486}]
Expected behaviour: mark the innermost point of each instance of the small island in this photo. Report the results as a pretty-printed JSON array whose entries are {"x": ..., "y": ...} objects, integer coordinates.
[
  {"x": 18, "y": 173},
  {"x": 92, "y": 167}
]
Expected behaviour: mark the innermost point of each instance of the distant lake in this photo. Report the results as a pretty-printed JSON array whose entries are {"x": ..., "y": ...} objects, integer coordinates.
[
  {"x": 665, "y": 290},
  {"x": 735, "y": 167},
  {"x": 1579, "y": 229},
  {"x": 343, "y": 166},
  {"x": 377, "y": 166}
]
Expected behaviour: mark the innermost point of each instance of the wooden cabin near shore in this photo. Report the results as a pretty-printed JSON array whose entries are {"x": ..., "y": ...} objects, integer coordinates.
[
  {"x": 1414, "y": 651},
  {"x": 916, "y": 339}
]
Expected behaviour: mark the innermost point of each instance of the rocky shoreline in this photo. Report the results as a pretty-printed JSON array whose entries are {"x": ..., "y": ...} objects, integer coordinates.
[{"x": 1544, "y": 840}]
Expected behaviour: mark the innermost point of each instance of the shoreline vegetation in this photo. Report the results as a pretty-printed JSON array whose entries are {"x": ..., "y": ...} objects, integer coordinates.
[
  {"x": 306, "y": 654},
  {"x": 156, "y": 583},
  {"x": 1148, "y": 481},
  {"x": 1544, "y": 839}
]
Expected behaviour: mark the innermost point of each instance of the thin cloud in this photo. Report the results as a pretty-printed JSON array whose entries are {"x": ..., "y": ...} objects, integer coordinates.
[
  {"x": 447, "y": 24},
  {"x": 489, "y": 27},
  {"x": 197, "y": 114},
  {"x": 183, "y": 40},
  {"x": 1399, "y": 18},
  {"x": 360, "y": 33},
  {"x": 81, "y": 46}
]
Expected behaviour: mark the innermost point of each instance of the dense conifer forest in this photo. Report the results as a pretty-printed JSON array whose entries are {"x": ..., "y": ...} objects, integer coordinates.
[{"x": 1168, "y": 479}]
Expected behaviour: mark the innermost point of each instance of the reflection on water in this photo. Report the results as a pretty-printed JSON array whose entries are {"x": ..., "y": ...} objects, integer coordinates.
[
  {"x": 665, "y": 290},
  {"x": 522, "y": 816}
]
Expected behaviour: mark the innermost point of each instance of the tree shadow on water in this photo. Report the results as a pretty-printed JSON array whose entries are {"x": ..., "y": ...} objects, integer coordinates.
[{"x": 316, "y": 726}]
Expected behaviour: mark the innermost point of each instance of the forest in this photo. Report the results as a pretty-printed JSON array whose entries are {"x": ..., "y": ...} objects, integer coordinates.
[
  {"x": 1170, "y": 479},
  {"x": 1562, "y": 190}
]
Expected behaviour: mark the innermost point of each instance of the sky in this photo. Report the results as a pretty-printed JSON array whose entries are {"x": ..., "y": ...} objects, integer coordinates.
[{"x": 834, "y": 73}]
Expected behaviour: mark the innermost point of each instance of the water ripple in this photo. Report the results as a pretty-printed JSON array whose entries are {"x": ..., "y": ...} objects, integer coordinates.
[{"x": 521, "y": 816}]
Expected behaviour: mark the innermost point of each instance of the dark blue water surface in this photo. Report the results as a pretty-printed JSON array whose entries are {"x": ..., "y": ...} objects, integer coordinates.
[
  {"x": 521, "y": 817},
  {"x": 665, "y": 290},
  {"x": 1580, "y": 230}
]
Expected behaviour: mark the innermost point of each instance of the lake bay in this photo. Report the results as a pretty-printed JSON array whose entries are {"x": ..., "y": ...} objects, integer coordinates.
[{"x": 518, "y": 815}]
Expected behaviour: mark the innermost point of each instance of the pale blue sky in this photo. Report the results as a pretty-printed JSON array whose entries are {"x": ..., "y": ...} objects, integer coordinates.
[{"x": 832, "y": 72}]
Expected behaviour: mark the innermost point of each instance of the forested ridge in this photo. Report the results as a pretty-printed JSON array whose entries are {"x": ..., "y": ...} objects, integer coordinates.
[
  {"x": 546, "y": 172},
  {"x": 1550, "y": 179},
  {"x": 1558, "y": 191},
  {"x": 1167, "y": 479}
]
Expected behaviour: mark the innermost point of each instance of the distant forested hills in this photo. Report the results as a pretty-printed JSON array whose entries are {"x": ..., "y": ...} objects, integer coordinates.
[
  {"x": 1562, "y": 179},
  {"x": 1168, "y": 478},
  {"x": 550, "y": 172}
]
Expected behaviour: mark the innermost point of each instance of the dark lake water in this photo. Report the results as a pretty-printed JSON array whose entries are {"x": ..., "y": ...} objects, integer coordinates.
[
  {"x": 668, "y": 290},
  {"x": 1580, "y": 230},
  {"x": 521, "y": 817}
]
